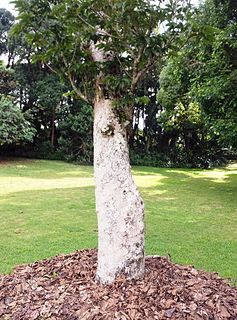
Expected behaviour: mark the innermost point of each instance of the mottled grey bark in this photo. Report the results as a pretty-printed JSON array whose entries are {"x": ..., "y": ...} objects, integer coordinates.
[{"x": 120, "y": 209}]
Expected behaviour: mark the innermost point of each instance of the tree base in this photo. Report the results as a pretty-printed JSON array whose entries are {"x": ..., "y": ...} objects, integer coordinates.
[{"x": 64, "y": 287}]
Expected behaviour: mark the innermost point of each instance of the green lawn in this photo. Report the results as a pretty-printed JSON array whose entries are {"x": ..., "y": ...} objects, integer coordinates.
[{"x": 47, "y": 208}]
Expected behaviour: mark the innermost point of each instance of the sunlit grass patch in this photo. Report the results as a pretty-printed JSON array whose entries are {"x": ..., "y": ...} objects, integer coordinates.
[{"x": 48, "y": 207}]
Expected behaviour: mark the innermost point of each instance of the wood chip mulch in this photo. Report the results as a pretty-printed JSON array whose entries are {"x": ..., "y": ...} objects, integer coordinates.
[{"x": 64, "y": 288}]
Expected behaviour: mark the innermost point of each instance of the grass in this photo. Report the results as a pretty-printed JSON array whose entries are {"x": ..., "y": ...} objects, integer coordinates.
[{"x": 48, "y": 207}]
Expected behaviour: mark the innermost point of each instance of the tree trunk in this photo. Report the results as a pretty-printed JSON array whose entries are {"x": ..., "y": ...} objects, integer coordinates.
[
  {"x": 120, "y": 209},
  {"x": 52, "y": 137}
]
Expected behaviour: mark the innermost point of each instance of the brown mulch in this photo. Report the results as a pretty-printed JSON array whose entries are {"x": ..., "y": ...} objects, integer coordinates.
[{"x": 64, "y": 288}]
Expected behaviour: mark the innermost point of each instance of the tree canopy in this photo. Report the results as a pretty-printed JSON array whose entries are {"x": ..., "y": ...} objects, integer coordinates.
[{"x": 133, "y": 34}]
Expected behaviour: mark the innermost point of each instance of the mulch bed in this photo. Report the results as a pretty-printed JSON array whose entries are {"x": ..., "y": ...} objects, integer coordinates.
[{"x": 64, "y": 287}]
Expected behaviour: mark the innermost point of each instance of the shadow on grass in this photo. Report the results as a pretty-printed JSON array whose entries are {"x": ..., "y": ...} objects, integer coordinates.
[{"x": 45, "y": 169}]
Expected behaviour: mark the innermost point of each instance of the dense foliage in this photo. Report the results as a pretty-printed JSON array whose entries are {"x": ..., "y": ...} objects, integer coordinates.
[
  {"x": 14, "y": 126},
  {"x": 6, "y": 21},
  {"x": 196, "y": 119}
]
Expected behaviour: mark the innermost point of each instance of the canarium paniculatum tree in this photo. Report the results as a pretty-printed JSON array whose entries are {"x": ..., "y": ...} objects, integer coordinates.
[{"x": 105, "y": 48}]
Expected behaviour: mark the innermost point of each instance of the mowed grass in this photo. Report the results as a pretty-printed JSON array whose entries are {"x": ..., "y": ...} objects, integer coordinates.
[{"x": 48, "y": 208}]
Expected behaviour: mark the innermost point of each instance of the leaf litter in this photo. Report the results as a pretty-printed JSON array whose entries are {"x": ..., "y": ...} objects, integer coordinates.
[{"x": 64, "y": 288}]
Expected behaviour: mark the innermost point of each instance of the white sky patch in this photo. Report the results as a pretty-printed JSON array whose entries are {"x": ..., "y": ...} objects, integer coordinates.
[{"x": 8, "y": 5}]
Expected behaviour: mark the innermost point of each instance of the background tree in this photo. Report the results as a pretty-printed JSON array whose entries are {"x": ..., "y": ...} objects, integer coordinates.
[
  {"x": 6, "y": 22},
  {"x": 49, "y": 92},
  {"x": 202, "y": 75},
  {"x": 14, "y": 125},
  {"x": 7, "y": 81},
  {"x": 75, "y": 126},
  {"x": 214, "y": 85}
]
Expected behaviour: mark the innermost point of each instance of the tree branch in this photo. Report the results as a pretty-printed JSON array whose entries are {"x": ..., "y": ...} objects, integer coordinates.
[
  {"x": 73, "y": 84},
  {"x": 138, "y": 59},
  {"x": 137, "y": 74},
  {"x": 77, "y": 90},
  {"x": 50, "y": 68}
]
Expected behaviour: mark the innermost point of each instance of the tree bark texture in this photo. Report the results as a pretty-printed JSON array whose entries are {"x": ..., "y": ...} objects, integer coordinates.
[{"x": 120, "y": 209}]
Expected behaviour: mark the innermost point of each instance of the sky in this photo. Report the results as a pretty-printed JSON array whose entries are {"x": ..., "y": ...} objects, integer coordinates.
[{"x": 6, "y": 4}]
